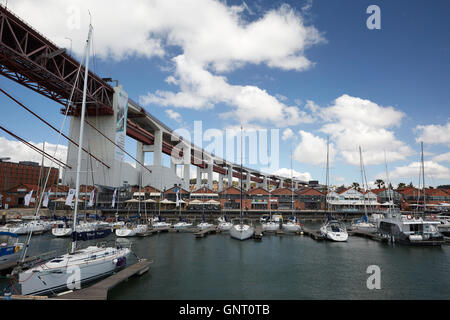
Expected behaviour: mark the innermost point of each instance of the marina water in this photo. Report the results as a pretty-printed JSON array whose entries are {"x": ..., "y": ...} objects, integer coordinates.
[{"x": 277, "y": 267}]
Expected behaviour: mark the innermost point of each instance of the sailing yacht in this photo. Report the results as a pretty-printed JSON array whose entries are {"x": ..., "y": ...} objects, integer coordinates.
[
  {"x": 270, "y": 225},
  {"x": 89, "y": 263},
  {"x": 332, "y": 229},
  {"x": 10, "y": 247},
  {"x": 292, "y": 225},
  {"x": 363, "y": 224},
  {"x": 241, "y": 231},
  {"x": 182, "y": 224},
  {"x": 224, "y": 224}
]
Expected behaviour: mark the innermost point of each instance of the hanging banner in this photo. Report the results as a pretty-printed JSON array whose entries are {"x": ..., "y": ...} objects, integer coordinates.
[
  {"x": 46, "y": 199},
  {"x": 114, "y": 198},
  {"x": 121, "y": 108},
  {"x": 70, "y": 197},
  {"x": 28, "y": 198},
  {"x": 91, "y": 198}
]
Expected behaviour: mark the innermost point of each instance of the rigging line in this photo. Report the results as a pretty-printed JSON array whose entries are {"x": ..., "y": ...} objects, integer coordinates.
[
  {"x": 34, "y": 147},
  {"x": 101, "y": 133},
  {"x": 48, "y": 124}
]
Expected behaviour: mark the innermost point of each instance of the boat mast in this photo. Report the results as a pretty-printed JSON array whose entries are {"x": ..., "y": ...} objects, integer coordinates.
[
  {"x": 391, "y": 200},
  {"x": 362, "y": 180},
  {"x": 80, "y": 143},
  {"x": 327, "y": 175},
  {"x": 241, "y": 179},
  {"x": 423, "y": 181},
  {"x": 292, "y": 185}
]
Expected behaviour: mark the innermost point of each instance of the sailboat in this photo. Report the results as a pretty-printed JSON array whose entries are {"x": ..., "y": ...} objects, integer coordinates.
[
  {"x": 182, "y": 224},
  {"x": 364, "y": 224},
  {"x": 292, "y": 225},
  {"x": 241, "y": 231},
  {"x": 129, "y": 229},
  {"x": 10, "y": 247},
  {"x": 224, "y": 224},
  {"x": 332, "y": 229},
  {"x": 89, "y": 263},
  {"x": 204, "y": 225}
]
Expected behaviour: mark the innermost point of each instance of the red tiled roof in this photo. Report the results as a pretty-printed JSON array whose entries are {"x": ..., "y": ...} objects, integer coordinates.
[
  {"x": 232, "y": 190},
  {"x": 281, "y": 191},
  {"x": 258, "y": 191},
  {"x": 310, "y": 192},
  {"x": 172, "y": 190}
]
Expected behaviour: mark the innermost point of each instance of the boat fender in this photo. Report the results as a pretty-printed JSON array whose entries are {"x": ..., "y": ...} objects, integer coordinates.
[
  {"x": 433, "y": 217},
  {"x": 409, "y": 217},
  {"x": 16, "y": 249}
]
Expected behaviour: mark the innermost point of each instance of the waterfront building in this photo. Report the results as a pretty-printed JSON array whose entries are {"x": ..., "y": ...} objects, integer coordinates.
[
  {"x": 25, "y": 172},
  {"x": 230, "y": 198},
  {"x": 258, "y": 199},
  {"x": 351, "y": 200},
  {"x": 283, "y": 197},
  {"x": 309, "y": 199},
  {"x": 413, "y": 197}
]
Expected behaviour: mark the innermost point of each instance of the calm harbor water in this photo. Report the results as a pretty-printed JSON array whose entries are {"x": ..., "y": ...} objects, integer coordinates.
[{"x": 278, "y": 267}]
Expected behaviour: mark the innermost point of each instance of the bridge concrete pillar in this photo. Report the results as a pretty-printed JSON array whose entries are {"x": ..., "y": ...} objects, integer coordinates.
[
  {"x": 157, "y": 148},
  {"x": 247, "y": 181},
  {"x": 220, "y": 182},
  {"x": 140, "y": 156},
  {"x": 210, "y": 173},
  {"x": 296, "y": 185},
  {"x": 199, "y": 178},
  {"x": 173, "y": 167},
  {"x": 265, "y": 182},
  {"x": 281, "y": 185},
  {"x": 230, "y": 176},
  {"x": 186, "y": 176}
]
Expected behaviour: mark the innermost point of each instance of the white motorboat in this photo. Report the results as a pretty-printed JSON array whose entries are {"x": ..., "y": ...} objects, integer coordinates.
[
  {"x": 204, "y": 225},
  {"x": 161, "y": 224},
  {"x": 271, "y": 226},
  {"x": 444, "y": 225},
  {"x": 62, "y": 230},
  {"x": 334, "y": 230},
  {"x": 410, "y": 230},
  {"x": 80, "y": 265}
]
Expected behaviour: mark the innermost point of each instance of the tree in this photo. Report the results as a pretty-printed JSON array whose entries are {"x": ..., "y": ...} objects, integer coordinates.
[
  {"x": 380, "y": 183},
  {"x": 411, "y": 185},
  {"x": 401, "y": 185},
  {"x": 355, "y": 185}
]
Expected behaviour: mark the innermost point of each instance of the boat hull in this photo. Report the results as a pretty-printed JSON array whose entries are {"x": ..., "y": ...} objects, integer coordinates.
[
  {"x": 242, "y": 232},
  {"x": 53, "y": 280}
]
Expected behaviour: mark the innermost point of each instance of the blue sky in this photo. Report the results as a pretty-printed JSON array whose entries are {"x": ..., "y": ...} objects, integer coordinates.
[{"x": 361, "y": 87}]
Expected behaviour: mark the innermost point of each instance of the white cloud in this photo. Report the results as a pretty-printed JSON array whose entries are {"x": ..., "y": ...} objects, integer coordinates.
[
  {"x": 174, "y": 115},
  {"x": 354, "y": 122},
  {"x": 18, "y": 151},
  {"x": 313, "y": 149},
  {"x": 411, "y": 171},
  {"x": 445, "y": 157},
  {"x": 434, "y": 134},
  {"x": 287, "y": 134},
  {"x": 285, "y": 172}
]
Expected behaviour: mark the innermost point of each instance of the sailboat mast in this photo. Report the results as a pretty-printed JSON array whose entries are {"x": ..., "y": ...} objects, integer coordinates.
[
  {"x": 327, "y": 175},
  {"x": 292, "y": 185},
  {"x": 241, "y": 177},
  {"x": 362, "y": 179},
  {"x": 423, "y": 180},
  {"x": 80, "y": 143}
]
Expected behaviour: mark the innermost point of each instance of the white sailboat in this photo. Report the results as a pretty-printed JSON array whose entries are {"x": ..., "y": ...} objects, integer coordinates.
[
  {"x": 332, "y": 229},
  {"x": 224, "y": 224},
  {"x": 241, "y": 231},
  {"x": 182, "y": 224},
  {"x": 270, "y": 225},
  {"x": 90, "y": 263},
  {"x": 292, "y": 225},
  {"x": 10, "y": 247},
  {"x": 364, "y": 224}
]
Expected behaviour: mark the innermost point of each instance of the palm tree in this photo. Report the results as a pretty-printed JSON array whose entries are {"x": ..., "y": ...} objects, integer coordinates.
[
  {"x": 380, "y": 183},
  {"x": 401, "y": 185},
  {"x": 355, "y": 185}
]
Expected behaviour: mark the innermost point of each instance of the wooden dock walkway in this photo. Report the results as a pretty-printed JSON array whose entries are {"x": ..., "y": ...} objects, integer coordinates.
[
  {"x": 315, "y": 234},
  {"x": 203, "y": 232},
  {"x": 99, "y": 291},
  {"x": 154, "y": 231},
  {"x": 369, "y": 235}
]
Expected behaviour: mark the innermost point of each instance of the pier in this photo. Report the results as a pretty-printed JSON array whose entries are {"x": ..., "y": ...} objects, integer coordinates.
[
  {"x": 258, "y": 234},
  {"x": 314, "y": 234},
  {"x": 99, "y": 291},
  {"x": 369, "y": 235},
  {"x": 202, "y": 233}
]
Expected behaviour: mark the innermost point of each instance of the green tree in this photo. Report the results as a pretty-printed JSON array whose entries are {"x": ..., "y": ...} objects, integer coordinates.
[
  {"x": 355, "y": 185},
  {"x": 380, "y": 183},
  {"x": 401, "y": 185}
]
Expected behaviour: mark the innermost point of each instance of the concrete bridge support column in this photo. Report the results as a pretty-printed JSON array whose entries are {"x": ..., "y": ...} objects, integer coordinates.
[
  {"x": 265, "y": 182},
  {"x": 247, "y": 182},
  {"x": 157, "y": 148},
  {"x": 199, "y": 177},
  {"x": 296, "y": 185},
  {"x": 220, "y": 182},
  {"x": 230, "y": 176},
  {"x": 210, "y": 174},
  {"x": 140, "y": 156},
  {"x": 186, "y": 176}
]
